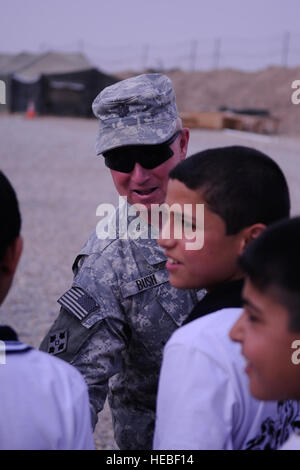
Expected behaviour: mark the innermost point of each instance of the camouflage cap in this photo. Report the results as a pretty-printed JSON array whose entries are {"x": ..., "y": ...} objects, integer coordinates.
[{"x": 138, "y": 111}]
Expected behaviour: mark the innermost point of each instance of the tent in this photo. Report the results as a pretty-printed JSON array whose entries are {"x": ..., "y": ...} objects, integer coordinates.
[
  {"x": 73, "y": 93},
  {"x": 57, "y": 83},
  {"x": 10, "y": 66}
]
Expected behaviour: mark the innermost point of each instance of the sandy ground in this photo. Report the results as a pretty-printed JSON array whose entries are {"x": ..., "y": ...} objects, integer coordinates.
[{"x": 59, "y": 181}]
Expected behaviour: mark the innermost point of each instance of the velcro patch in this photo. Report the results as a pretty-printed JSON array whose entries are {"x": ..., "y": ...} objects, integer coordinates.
[
  {"x": 57, "y": 342},
  {"x": 78, "y": 302},
  {"x": 144, "y": 283}
]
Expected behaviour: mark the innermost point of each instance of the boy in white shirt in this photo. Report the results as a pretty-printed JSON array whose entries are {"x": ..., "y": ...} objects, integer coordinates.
[
  {"x": 203, "y": 398},
  {"x": 43, "y": 400},
  {"x": 269, "y": 327}
]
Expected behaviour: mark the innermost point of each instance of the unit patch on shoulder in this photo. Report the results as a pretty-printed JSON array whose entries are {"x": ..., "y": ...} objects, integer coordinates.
[
  {"x": 57, "y": 342},
  {"x": 78, "y": 302}
]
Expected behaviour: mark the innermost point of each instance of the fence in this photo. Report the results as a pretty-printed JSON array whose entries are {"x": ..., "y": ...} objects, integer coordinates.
[{"x": 245, "y": 53}]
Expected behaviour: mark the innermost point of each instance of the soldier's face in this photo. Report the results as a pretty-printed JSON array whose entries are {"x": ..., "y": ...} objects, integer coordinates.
[{"x": 143, "y": 186}]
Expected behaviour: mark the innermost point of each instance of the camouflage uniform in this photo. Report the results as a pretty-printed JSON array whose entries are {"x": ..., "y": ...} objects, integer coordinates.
[
  {"x": 121, "y": 308},
  {"x": 130, "y": 312}
]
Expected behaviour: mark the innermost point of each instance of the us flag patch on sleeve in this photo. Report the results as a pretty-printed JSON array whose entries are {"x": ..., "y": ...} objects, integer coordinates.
[{"x": 78, "y": 302}]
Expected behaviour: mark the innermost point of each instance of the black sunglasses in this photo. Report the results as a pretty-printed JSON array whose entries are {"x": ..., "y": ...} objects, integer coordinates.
[{"x": 148, "y": 156}]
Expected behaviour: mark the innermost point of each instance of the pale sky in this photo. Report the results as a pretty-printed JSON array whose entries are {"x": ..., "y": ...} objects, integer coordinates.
[{"x": 119, "y": 32}]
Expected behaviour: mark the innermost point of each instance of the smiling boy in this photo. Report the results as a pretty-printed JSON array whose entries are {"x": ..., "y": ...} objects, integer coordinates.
[
  {"x": 203, "y": 399},
  {"x": 243, "y": 191},
  {"x": 269, "y": 327}
]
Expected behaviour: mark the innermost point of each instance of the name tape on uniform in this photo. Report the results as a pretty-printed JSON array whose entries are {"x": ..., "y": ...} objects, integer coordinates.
[{"x": 144, "y": 283}]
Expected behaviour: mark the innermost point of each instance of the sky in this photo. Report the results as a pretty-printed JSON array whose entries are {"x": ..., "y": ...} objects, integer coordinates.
[{"x": 138, "y": 33}]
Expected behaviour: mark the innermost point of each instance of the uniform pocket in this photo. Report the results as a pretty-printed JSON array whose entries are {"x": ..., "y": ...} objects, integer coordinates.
[{"x": 177, "y": 303}]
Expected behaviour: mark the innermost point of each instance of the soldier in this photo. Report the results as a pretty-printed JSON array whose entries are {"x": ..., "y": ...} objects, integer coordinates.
[{"x": 121, "y": 309}]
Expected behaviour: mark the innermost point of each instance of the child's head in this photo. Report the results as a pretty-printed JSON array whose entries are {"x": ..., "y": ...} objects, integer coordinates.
[
  {"x": 269, "y": 328},
  {"x": 10, "y": 240},
  {"x": 243, "y": 191}
]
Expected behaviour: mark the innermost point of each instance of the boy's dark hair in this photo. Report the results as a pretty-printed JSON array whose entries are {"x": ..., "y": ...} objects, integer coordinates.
[
  {"x": 272, "y": 263},
  {"x": 10, "y": 218},
  {"x": 240, "y": 184}
]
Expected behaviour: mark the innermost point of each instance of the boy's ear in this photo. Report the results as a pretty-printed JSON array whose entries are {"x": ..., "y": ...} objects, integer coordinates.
[
  {"x": 250, "y": 233},
  {"x": 184, "y": 140},
  {"x": 8, "y": 264}
]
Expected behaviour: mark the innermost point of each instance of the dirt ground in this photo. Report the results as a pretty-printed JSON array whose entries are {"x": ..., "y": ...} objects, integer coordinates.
[{"x": 60, "y": 182}]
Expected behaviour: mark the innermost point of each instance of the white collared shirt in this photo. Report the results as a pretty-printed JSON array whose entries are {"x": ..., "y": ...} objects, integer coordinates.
[
  {"x": 43, "y": 402},
  {"x": 203, "y": 398}
]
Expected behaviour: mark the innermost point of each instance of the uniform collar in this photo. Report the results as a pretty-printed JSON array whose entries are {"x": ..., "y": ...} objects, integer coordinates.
[
  {"x": 148, "y": 245},
  {"x": 151, "y": 251}
]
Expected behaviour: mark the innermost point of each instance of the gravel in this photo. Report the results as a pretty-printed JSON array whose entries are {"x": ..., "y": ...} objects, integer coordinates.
[{"x": 59, "y": 181}]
